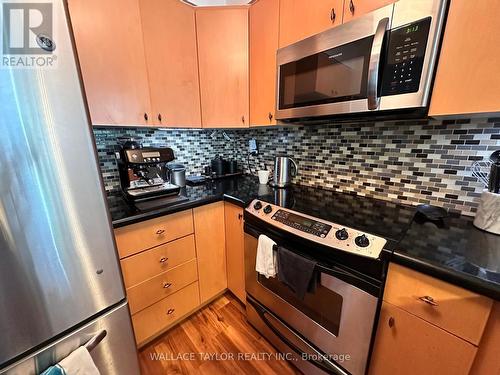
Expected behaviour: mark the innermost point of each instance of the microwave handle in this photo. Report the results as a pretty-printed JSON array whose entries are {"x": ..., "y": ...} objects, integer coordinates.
[{"x": 374, "y": 66}]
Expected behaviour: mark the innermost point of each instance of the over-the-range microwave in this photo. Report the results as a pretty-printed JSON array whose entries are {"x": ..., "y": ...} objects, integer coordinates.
[{"x": 380, "y": 63}]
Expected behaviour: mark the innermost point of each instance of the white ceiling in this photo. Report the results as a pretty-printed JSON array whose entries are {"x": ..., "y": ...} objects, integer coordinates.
[{"x": 218, "y": 2}]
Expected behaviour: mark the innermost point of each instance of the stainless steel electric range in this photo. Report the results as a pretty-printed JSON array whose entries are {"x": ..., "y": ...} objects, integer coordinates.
[{"x": 330, "y": 330}]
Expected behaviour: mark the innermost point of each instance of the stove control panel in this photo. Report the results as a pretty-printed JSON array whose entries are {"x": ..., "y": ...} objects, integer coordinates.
[
  {"x": 320, "y": 231},
  {"x": 302, "y": 223}
]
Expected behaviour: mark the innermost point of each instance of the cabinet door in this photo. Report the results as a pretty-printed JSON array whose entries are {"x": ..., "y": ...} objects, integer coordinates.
[
  {"x": 406, "y": 344},
  {"x": 487, "y": 361},
  {"x": 467, "y": 79},
  {"x": 235, "y": 250},
  {"x": 356, "y": 8},
  {"x": 110, "y": 48},
  {"x": 302, "y": 18},
  {"x": 210, "y": 249},
  {"x": 264, "y": 30},
  {"x": 172, "y": 59},
  {"x": 223, "y": 61}
]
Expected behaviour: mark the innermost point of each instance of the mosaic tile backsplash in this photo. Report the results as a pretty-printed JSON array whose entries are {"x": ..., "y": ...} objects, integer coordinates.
[{"x": 413, "y": 161}]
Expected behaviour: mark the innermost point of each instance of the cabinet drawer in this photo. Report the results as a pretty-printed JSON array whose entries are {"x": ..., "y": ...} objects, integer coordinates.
[
  {"x": 450, "y": 304},
  {"x": 406, "y": 344},
  {"x": 161, "y": 315},
  {"x": 141, "y": 267},
  {"x": 150, "y": 291},
  {"x": 141, "y": 236}
]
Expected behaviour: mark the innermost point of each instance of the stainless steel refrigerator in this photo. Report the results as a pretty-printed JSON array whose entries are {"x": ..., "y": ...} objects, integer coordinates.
[{"x": 60, "y": 280}]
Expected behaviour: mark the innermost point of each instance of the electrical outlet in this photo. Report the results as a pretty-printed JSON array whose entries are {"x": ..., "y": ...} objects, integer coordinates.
[{"x": 252, "y": 147}]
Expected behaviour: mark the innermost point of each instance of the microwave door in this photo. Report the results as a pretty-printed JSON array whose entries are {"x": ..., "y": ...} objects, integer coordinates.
[{"x": 336, "y": 75}]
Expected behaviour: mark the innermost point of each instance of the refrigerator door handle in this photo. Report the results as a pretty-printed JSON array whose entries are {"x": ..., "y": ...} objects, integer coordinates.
[{"x": 94, "y": 341}]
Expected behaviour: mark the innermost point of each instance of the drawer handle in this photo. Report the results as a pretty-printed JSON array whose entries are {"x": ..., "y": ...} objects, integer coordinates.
[
  {"x": 167, "y": 285},
  {"x": 391, "y": 322},
  {"x": 170, "y": 311},
  {"x": 429, "y": 300},
  {"x": 160, "y": 231},
  {"x": 163, "y": 259}
]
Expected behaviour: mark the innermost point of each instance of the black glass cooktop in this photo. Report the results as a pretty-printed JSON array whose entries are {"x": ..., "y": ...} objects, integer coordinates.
[{"x": 380, "y": 218}]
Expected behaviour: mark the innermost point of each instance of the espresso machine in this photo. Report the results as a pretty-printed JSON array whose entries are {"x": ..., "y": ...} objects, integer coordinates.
[{"x": 143, "y": 171}]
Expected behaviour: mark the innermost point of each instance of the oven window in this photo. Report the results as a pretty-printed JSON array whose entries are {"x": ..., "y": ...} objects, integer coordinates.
[
  {"x": 324, "y": 306},
  {"x": 336, "y": 75}
]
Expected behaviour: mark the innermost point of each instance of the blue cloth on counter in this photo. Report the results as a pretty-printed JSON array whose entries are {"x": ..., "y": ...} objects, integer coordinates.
[{"x": 54, "y": 370}]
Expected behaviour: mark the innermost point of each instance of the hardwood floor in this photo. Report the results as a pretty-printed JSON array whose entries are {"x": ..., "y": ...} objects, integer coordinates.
[{"x": 213, "y": 341}]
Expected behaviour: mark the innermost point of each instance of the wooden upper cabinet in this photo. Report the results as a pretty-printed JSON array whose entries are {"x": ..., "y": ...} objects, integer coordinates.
[
  {"x": 406, "y": 344},
  {"x": 356, "y": 8},
  {"x": 264, "y": 31},
  {"x": 172, "y": 59},
  {"x": 223, "y": 64},
  {"x": 110, "y": 48},
  {"x": 467, "y": 79},
  {"x": 302, "y": 18}
]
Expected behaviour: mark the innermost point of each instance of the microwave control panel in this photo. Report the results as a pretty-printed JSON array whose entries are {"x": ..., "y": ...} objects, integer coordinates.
[{"x": 405, "y": 58}]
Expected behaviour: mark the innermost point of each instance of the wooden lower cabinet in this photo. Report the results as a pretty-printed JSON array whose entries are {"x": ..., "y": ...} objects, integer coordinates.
[
  {"x": 134, "y": 238},
  {"x": 487, "y": 359},
  {"x": 210, "y": 249},
  {"x": 406, "y": 344},
  {"x": 235, "y": 250},
  {"x": 153, "y": 290},
  {"x": 147, "y": 264},
  {"x": 407, "y": 289},
  {"x": 162, "y": 315}
]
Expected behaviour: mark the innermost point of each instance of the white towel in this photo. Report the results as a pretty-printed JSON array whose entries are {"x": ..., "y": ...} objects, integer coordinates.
[
  {"x": 266, "y": 263},
  {"x": 78, "y": 362}
]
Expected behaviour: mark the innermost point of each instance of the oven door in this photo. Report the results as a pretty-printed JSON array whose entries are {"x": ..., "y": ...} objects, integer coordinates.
[
  {"x": 335, "y": 72},
  {"x": 337, "y": 319}
]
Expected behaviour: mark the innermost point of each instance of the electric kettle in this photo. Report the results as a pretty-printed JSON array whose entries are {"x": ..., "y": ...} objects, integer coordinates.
[{"x": 282, "y": 176}]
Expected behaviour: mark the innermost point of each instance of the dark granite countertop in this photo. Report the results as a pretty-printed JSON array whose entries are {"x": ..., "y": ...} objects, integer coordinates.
[
  {"x": 238, "y": 190},
  {"x": 454, "y": 250}
]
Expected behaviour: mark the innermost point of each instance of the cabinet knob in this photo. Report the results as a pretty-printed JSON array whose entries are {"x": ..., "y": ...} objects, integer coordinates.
[
  {"x": 333, "y": 15},
  {"x": 167, "y": 285},
  {"x": 159, "y": 117},
  {"x": 428, "y": 300},
  {"x": 163, "y": 259},
  {"x": 391, "y": 322},
  {"x": 240, "y": 216},
  {"x": 160, "y": 232},
  {"x": 170, "y": 311},
  {"x": 352, "y": 8},
  {"x": 243, "y": 119},
  {"x": 270, "y": 116},
  {"x": 146, "y": 117}
]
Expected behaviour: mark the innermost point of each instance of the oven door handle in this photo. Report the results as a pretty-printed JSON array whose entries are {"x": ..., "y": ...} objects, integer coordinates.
[
  {"x": 374, "y": 65},
  {"x": 345, "y": 275},
  {"x": 324, "y": 365}
]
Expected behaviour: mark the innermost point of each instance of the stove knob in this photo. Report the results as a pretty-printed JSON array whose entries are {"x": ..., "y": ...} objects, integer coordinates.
[
  {"x": 362, "y": 241},
  {"x": 268, "y": 209},
  {"x": 342, "y": 234},
  {"x": 257, "y": 205}
]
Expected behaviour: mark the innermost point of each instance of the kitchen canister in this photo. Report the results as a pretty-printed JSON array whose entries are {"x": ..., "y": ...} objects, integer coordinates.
[{"x": 488, "y": 212}]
